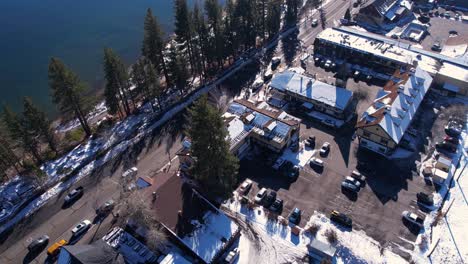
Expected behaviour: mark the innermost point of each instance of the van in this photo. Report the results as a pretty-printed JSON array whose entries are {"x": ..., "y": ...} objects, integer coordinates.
[{"x": 55, "y": 248}]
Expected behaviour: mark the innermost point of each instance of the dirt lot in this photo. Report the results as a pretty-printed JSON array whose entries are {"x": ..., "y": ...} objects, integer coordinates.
[{"x": 439, "y": 31}]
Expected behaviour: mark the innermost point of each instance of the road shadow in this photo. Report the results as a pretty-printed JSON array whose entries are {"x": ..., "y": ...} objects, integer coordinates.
[
  {"x": 289, "y": 47},
  {"x": 33, "y": 254}
]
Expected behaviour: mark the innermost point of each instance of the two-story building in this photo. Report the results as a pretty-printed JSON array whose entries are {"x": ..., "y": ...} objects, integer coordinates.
[
  {"x": 318, "y": 96},
  {"x": 383, "y": 125}
]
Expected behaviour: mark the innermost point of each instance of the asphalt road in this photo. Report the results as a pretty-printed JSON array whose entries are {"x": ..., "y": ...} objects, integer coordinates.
[{"x": 101, "y": 186}]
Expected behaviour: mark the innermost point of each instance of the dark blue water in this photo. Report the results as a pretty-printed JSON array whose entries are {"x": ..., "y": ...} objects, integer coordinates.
[{"x": 31, "y": 31}]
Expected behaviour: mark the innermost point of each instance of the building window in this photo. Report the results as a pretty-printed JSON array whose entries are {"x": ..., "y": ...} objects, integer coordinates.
[
  {"x": 366, "y": 134},
  {"x": 364, "y": 143},
  {"x": 382, "y": 149},
  {"x": 384, "y": 141}
]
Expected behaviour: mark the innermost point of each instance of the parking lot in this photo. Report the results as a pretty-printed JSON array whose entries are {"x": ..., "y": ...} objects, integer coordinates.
[
  {"x": 439, "y": 32},
  {"x": 377, "y": 209}
]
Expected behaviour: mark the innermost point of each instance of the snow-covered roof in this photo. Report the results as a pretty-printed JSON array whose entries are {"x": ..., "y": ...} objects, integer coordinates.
[
  {"x": 312, "y": 89},
  {"x": 397, "y": 51},
  {"x": 247, "y": 117},
  {"x": 397, "y": 104},
  {"x": 174, "y": 258}
]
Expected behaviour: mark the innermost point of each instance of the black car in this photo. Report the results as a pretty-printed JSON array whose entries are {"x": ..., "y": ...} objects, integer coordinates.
[
  {"x": 341, "y": 219},
  {"x": 74, "y": 195},
  {"x": 444, "y": 145},
  {"x": 349, "y": 187},
  {"x": 277, "y": 206},
  {"x": 425, "y": 199},
  {"x": 269, "y": 199},
  {"x": 294, "y": 172},
  {"x": 38, "y": 244}
]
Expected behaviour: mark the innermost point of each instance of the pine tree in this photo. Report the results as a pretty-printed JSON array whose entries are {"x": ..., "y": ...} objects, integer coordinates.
[
  {"x": 154, "y": 89},
  {"x": 292, "y": 10},
  {"x": 202, "y": 46},
  {"x": 8, "y": 158},
  {"x": 153, "y": 43},
  {"x": 37, "y": 123},
  {"x": 178, "y": 69},
  {"x": 20, "y": 132},
  {"x": 347, "y": 15},
  {"x": 183, "y": 28},
  {"x": 117, "y": 83},
  {"x": 67, "y": 92},
  {"x": 215, "y": 167},
  {"x": 273, "y": 20},
  {"x": 214, "y": 18}
]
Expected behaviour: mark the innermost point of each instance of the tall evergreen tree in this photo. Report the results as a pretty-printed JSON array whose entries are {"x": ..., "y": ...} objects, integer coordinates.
[
  {"x": 153, "y": 43},
  {"x": 273, "y": 20},
  {"x": 8, "y": 158},
  {"x": 154, "y": 89},
  {"x": 117, "y": 84},
  {"x": 20, "y": 132},
  {"x": 183, "y": 28},
  {"x": 215, "y": 167},
  {"x": 67, "y": 92},
  {"x": 37, "y": 123},
  {"x": 201, "y": 46},
  {"x": 347, "y": 15},
  {"x": 292, "y": 11},
  {"x": 214, "y": 18},
  {"x": 178, "y": 69}
]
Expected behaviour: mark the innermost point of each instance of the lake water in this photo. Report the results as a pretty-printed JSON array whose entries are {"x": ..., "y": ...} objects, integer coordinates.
[{"x": 31, "y": 31}]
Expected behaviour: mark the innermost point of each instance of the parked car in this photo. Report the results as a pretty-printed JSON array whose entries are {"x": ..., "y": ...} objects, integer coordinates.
[
  {"x": 447, "y": 14},
  {"x": 453, "y": 32},
  {"x": 325, "y": 149},
  {"x": 275, "y": 61},
  {"x": 353, "y": 181},
  {"x": 358, "y": 176},
  {"x": 279, "y": 162},
  {"x": 269, "y": 199},
  {"x": 277, "y": 205},
  {"x": 232, "y": 256},
  {"x": 81, "y": 228},
  {"x": 327, "y": 64},
  {"x": 413, "y": 219},
  {"x": 424, "y": 198},
  {"x": 310, "y": 141},
  {"x": 53, "y": 250},
  {"x": 341, "y": 219},
  {"x": 328, "y": 123},
  {"x": 349, "y": 187},
  {"x": 316, "y": 162},
  {"x": 317, "y": 61},
  {"x": 74, "y": 195},
  {"x": 106, "y": 208},
  {"x": 245, "y": 187},
  {"x": 38, "y": 244},
  {"x": 260, "y": 195},
  {"x": 314, "y": 22},
  {"x": 294, "y": 172},
  {"x": 394, "y": 36},
  {"x": 295, "y": 216},
  {"x": 457, "y": 16},
  {"x": 452, "y": 140},
  {"x": 453, "y": 129},
  {"x": 447, "y": 146}
]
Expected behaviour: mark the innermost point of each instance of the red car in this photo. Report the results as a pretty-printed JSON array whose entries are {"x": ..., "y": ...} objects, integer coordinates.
[{"x": 452, "y": 140}]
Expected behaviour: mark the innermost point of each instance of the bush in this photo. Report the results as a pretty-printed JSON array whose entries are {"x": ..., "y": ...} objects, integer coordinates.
[
  {"x": 361, "y": 94},
  {"x": 313, "y": 229},
  {"x": 75, "y": 135},
  {"x": 438, "y": 218},
  {"x": 331, "y": 236},
  {"x": 424, "y": 242}
]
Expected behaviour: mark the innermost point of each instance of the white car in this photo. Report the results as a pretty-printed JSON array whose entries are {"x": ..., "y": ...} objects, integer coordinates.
[
  {"x": 328, "y": 64},
  {"x": 260, "y": 195},
  {"x": 232, "y": 256},
  {"x": 82, "y": 227},
  {"x": 314, "y": 22},
  {"x": 353, "y": 181},
  {"x": 316, "y": 161},
  {"x": 413, "y": 218},
  {"x": 324, "y": 149},
  {"x": 245, "y": 186}
]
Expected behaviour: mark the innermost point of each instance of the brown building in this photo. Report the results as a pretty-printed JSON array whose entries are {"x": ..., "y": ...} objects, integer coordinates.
[{"x": 383, "y": 126}]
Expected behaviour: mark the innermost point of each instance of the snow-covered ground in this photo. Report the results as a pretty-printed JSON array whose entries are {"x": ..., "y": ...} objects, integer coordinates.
[
  {"x": 450, "y": 237},
  {"x": 300, "y": 158},
  {"x": 207, "y": 238},
  {"x": 268, "y": 241}
]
